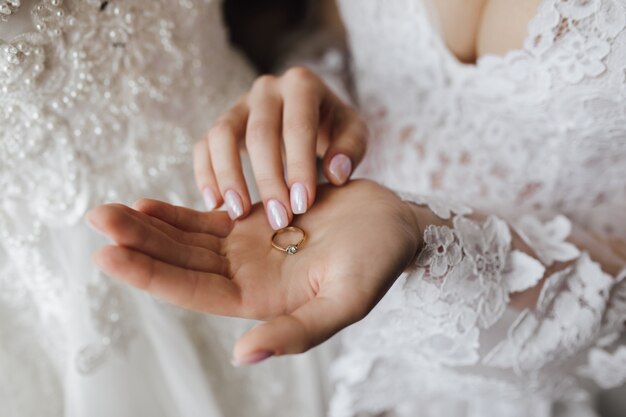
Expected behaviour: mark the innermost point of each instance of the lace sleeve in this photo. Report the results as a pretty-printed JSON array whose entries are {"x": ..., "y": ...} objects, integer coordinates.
[
  {"x": 449, "y": 317},
  {"x": 476, "y": 267}
]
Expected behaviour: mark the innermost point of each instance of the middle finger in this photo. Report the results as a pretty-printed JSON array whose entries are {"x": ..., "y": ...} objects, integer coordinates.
[{"x": 263, "y": 140}]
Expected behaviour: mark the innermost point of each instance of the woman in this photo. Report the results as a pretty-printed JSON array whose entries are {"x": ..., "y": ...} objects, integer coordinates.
[
  {"x": 101, "y": 101},
  {"x": 514, "y": 308}
]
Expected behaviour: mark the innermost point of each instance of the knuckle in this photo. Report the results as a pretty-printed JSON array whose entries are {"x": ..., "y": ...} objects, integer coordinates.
[
  {"x": 355, "y": 143},
  {"x": 300, "y": 74},
  {"x": 361, "y": 128},
  {"x": 264, "y": 83},
  {"x": 268, "y": 184},
  {"x": 363, "y": 133},
  {"x": 299, "y": 129},
  {"x": 221, "y": 129},
  {"x": 301, "y": 168},
  {"x": 226, "y": 176}
]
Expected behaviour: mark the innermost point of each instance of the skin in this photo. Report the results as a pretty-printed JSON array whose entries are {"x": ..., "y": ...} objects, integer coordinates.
[
  {"x": 286, "y": 122},
  {"x": 295, "y": 112},
  {"x": 361, "y": 238},
  {"x": 473, "y": 28}
]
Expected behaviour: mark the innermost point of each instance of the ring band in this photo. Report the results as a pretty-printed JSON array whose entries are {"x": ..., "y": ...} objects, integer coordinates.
[{"x": 290, "y": 249}]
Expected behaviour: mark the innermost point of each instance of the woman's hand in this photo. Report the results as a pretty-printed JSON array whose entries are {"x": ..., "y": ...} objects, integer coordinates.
[
  {"x": 359, "y": 240},
  {"x": 286, "y": 123}
]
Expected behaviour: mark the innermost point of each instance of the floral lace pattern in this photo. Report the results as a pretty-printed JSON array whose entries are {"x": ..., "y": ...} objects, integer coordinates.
[
  {"x": 606, "y": 369},
  {"x": 513, "y": 134},
  {"x": 441, "y": 322},
  {"x": 535, "y": 137},
  {"x": 441, "y": 252}
]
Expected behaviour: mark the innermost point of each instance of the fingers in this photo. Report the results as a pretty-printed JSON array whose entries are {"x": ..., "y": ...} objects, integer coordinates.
[
  {"x": 263, "y": 140},
  {"x": 194, "y": 290},
  {"x": 205, "y": 176},
  {"x": 130, "y": 231},
  {"x": 348, "y": 143},
  {"x": 308, "y": 326},
  {"x": 202, "y": 240},
  {"x": 216, "y": 223},
  {"x": 296, "y": 109},
  {"x": 301, "y": 118},
  {"x": 225, "y": 160}
]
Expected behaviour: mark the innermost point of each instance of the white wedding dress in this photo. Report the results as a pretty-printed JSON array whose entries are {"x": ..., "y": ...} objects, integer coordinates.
[
  {"x": 101, "y": 101},
  {"x": 536, "y": 137}
]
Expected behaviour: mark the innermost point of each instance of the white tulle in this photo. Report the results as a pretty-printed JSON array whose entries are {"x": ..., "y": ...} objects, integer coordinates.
[{"x": 101, "y": 101}]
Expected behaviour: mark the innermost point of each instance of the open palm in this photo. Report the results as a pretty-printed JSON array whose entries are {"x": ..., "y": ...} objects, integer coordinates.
[{"x": 359, "y": 239}]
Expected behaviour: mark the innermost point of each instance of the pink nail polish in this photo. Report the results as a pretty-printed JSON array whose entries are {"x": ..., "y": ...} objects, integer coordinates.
[
  {"x": 276, "y": 214},
  {"x": 299, "y": 199},
  {"x": 252, "y": 358},
  {"x": 340, "y": 167},
  {"x": 234, "y": 204},
  {"x": 209, "y": 198}
]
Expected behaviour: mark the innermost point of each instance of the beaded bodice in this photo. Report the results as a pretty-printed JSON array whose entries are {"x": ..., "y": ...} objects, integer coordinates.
[
  {"x": 91, "y": 88},
  {"x": 99, "y": 101}
]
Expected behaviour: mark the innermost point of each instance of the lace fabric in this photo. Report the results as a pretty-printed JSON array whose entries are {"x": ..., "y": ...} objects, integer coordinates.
[
  {"x": 444, "y": 332},
  {"x": 101, "y": 101},
  {"x": 536, "y": 139}
]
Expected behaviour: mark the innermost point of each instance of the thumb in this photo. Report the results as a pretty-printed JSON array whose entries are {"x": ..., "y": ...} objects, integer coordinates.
[
  {"x": 306, "y": 327},
  {"x": 346, "y": 150}
]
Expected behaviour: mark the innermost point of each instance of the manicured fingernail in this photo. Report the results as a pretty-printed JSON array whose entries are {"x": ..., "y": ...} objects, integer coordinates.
[
  {"x": 252, "y": 358},
  {"x": 298, "y": 198},
  {"x": 209, "y": 198},
  {"x": 233, "y": 204},
  {"x": 276, "y": 214},
  {"x": 340, "y": 167}
]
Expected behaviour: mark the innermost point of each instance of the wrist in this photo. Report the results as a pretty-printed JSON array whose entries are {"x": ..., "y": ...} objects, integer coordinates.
[{"x": 420, "y": 218}]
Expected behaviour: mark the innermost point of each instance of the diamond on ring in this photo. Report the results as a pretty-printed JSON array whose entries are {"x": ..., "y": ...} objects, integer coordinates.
[{"x": 291, "y": 248}]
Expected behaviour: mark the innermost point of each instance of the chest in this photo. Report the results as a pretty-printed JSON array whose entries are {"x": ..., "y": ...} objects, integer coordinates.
[
  {"x": 472, "y": 28},
  {"x": 528, "y": 126}
]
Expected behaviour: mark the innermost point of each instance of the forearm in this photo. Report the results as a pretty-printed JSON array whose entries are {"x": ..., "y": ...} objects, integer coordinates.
[{"x": 526, "y": 239}]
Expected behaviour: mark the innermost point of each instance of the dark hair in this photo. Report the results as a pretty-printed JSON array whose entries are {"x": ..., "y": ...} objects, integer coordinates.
[{"x": 261, "y": 28}]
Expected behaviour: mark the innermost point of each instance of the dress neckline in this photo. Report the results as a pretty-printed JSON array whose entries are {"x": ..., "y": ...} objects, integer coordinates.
[{"x": 456, "y": 64}]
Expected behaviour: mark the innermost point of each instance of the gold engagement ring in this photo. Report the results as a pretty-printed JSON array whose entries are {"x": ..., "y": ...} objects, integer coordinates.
[{"x": 291, "y": 248}]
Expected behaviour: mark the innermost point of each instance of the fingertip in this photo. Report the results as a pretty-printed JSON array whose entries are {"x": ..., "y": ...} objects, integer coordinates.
[
  {"x": 251, "y": 359},
  {"x": 141, "y": 204},
  {"x": 277, "y": 214},
  {"x": 210, "y": 198},
  {"x": 234, "y": 204},
  {"x": 282, "y": 335},
  {"x": 299, "y": 198},
  {"x": 97, "y": 218},
  {"x": 339, "y": 169},
  {"x": 253, "y": 346}
]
